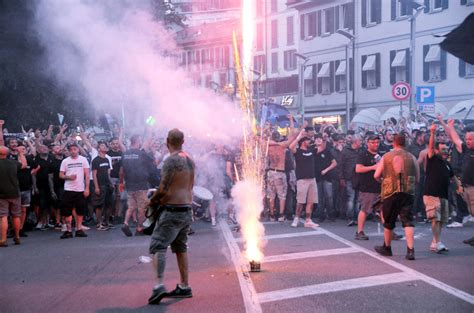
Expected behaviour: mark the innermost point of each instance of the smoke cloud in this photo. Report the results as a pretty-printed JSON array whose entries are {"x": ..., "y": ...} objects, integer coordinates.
[{"x": 114, "y": 54}]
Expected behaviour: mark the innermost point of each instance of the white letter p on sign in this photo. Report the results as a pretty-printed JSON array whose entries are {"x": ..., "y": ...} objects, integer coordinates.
[{"x": 425, "y": 93}]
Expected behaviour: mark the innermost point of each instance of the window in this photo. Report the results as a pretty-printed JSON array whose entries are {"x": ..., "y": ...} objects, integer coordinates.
[
  {"x": 275, "y": 34},
  {"x": 399, "y": 65},
  {"x": 469, "y": 70},
  {"x": 328, "y": 21},
  {"x": 401, "y": 9},
  {"x": 433, "y": 6},
  {"x": 325, "y": 75},
  {"x": 259, "y": 64},
  {"x": 309, "y": 80},
  {"x": 311, "y": 25},
  {"x": 344, "y": 16},
  {"x": 371, "y": 12},
  {"x": 274, "y": 6},
  {"x": 371, "y": 71},
  {"x": 467, "y": 2},
  {"x": 289, "y": 60},
  {"x": 466, "y": 70},
  {"x": 275, "y": 62},
  {"x": 289, "y": 31},
  {"x": 281, "y": 86},
  {"x": 259, "y": 39},
  {"x": 434, "y": 63},
  {"x": 340, "y": 74}
]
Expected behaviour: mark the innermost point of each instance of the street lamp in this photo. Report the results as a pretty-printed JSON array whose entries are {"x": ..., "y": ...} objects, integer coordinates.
[
  {"x": 351, "y": 40},
  {"x": 417, "y": 8},
  {"x": 301, "y": 84}
]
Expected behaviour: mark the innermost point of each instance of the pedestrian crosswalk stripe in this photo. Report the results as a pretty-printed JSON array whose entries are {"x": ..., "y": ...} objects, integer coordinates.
[
  {"x": 308, "y": 254},
  {"x": 288, "y": 235}
]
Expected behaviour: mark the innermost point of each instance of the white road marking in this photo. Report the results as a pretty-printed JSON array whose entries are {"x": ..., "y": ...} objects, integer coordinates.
[
  {"x": 308, "y": 254},
  {"x": 249, "y": 294},
  {"x": 415, "y": 274},
  {"x": 288, "y": 235},
  {"x": 355, "y": 283}
]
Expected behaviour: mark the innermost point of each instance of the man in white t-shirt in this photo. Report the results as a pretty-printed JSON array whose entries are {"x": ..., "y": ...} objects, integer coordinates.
[{"x": 75, "y": 171}]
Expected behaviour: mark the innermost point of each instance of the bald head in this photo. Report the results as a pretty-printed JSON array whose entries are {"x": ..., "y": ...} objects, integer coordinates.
[{"x": 3, "y": 152}]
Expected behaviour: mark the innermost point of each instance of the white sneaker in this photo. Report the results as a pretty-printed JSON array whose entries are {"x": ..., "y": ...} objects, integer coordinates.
[
  {"x": 39, "y": 226},
  {"x": 310, "y": 224},
  {"x": 471, "y": 218},
  {"x": 295, "y": 222},
  {"x": 440, "y": 247},
  {"x": 63, "y": 228},
  {"x": 466, "y": 219},
  {"x": 281, "y": 219},
  {"x": 213, "y": 221},
  {"x": 83, "y": 227},
  {"x": 454, "y": 225}
]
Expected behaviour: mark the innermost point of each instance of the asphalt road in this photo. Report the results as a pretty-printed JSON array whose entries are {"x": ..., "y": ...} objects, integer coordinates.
[{"x": 305, "y": 270}]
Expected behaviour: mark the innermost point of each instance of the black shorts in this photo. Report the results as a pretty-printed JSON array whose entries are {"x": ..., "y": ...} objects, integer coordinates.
[
  {"x": 73, "y": 200},
  {"x": 398, "y": 204},
  {"x": 104, "y": 199}
]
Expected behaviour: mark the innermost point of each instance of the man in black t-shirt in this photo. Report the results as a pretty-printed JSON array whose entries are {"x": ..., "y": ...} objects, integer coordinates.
[
  {"x": 369, "y": 188},
  {"x": 41, "y": 187},
  {"x": 467, "y": 177},
  {"x": 25, "y": 180},
  {"x": 387, "y": 144},
  {"x": 325, "y": 164},
  {"x": 115, "y": 152},
  {"x": 307, "y": 192},
  {"x": 56, "y": 184},
  {"x": 103, "y": 187},
  {"x": 435, "y": 194}
]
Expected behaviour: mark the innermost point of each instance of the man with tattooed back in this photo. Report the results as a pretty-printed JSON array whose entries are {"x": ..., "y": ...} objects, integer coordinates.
[{"x": 174, "y": 196}]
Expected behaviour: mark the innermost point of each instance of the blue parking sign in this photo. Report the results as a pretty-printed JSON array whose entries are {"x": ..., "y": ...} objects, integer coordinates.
[{"x": 425, "y": 94}]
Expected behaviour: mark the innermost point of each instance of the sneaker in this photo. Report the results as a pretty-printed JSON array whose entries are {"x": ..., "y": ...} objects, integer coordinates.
[
  {"x": 84, "y": 227},
  {"x": 126, "y": 230},
  {"x": 396, "y": 236},
  {"x": 66, "y": 235},
  {"x": 471, "y": 218},
  {"x": 3, "y": 244},
  {"x": 139, "y": 233},
  {"x": 361, "y": 236},
  {"x": 351, "y": 223},
  {"x": 16, "y": 240},
  {"x": 295, "y": 222},
  {"x": 102, "y": 227},
  {"x": 281, "y": 219},
  {"x": 157, "y": 294},
  {"x": 213, "y": 221},
  {"x": 410, "y": 254},
  {"x": 180, "y": 292},
  {"x": 232, "y": 220},
  {"x": 63, "y": 228},
  {"x": 272, "y": 218},
  {"x": 110, "y": 226},
  {"x": 39, "y": 226},
  {"x": 58, "y": 226},
  {"x": 383, "y": 250},
  {"x": 469, "y": 241},
  {"x": 310, "y": 224},
  {"x": 454, "y": 225},
  {"x": 80, "y": 233},
  {"x": 440, "y": 247},
  {"x": 23, "y": 233}
]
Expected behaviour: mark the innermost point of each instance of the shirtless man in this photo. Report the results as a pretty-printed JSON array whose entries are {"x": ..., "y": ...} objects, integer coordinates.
[{"x": 174, "y": 196}]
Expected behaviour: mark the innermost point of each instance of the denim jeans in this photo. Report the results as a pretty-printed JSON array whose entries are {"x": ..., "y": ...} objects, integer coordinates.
[
  {"x": 352, "y": 203},
  {"x": 325, "y": 205}
]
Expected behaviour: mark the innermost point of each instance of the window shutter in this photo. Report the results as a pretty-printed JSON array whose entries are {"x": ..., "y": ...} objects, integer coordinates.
[
  {"x": 351, "y": 73},
  {"x": 408, "y": 65},
  {"x": 427, "y": 6},
  {"x": 320, "y": 81},
  {"x": 443, "y": 64},
  {"x": 392, "y": 69},
  {"x": 315, "y": 79},
  {"x": 331, "y": 76},
  {"x": 426, "y": 66},
  {"x": 337, "y": 78},
  {"x": 445, "y": 4},
  {"x": 377, "y": 70},
  {"x": 336, "y": 18},
  {"x": 462, "y": 68},
  {"x": 318, "y": 22},
  {"x": 378, "y": 10},
  {"x": 393, "y": 12},
  {"x": 364, "y": 73},
  {"x": 302, "y": 16},
  {"x": 364, "y": 13}
]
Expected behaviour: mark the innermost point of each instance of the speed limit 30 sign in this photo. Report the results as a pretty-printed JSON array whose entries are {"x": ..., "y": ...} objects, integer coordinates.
[{"x": 401, "y": 91}]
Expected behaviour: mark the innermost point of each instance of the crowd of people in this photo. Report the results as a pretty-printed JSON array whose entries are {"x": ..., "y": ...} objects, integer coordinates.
[{"x": 71, "y": 180}]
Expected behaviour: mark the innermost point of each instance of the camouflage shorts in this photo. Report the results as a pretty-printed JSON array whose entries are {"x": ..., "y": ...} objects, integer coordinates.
[
  {"x": 171, "y": 230},
  {"x": 276, "y": 185}
]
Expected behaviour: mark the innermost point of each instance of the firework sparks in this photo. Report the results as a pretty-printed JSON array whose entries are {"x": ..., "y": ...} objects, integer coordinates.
[{"x": 247, "y": 193}]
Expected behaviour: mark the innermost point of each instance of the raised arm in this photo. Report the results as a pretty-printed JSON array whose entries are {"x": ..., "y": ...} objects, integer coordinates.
[
  {"x": 431, "y": 145},
  {"x": 451, "y": 132},
  {"x": 294, "y": 143}
]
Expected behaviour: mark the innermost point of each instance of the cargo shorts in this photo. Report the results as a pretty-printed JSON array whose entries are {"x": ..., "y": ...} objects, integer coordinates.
[
  {"x": 276, "y": 185},
  {"x": 436, "y": 208},
  {"x": 171, "y": 230}
]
